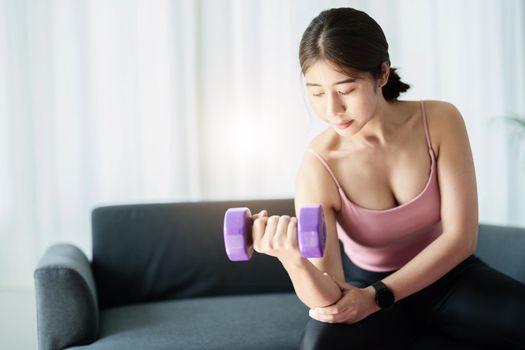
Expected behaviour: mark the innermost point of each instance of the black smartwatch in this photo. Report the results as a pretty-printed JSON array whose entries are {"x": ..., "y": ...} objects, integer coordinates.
[{"x": 384, "y": 296}]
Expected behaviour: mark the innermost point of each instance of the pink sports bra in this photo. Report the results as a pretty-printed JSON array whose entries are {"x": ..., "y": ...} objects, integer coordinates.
[{"x": 385, "y": 240}]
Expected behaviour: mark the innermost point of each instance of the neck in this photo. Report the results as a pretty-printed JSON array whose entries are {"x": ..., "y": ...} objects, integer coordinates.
[{"x": 380, "y": 130}]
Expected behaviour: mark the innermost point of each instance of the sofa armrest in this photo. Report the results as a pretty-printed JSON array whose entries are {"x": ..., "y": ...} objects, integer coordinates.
[{"x": 66, "y": 298}]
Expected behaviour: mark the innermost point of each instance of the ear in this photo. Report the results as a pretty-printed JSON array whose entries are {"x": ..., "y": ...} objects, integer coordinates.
[{"x": 385, "y": 73}]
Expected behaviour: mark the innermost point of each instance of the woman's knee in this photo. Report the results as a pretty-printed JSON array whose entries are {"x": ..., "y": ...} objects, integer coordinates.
[
  {"x": 394, "y": 330},
  {"x": 311, "y": 338},
  {"x": 321, "y": 335},
  {"x": 511, "y": 321},
  {"x": 486, "y": 306}
]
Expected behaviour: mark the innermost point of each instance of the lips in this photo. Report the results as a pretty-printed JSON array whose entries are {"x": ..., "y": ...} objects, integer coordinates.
[{"x": 344, "y": 125}]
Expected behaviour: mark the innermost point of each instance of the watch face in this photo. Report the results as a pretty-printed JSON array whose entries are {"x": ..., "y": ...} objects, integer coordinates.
[{"x": 385, "y": 298}]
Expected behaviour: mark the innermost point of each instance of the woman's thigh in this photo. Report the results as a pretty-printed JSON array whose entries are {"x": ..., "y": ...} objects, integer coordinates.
[
  {"x": 391, "y": 329},
  {"x": 483, "y": 306}
]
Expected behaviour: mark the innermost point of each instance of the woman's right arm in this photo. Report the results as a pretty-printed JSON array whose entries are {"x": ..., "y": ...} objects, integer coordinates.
[{"x": 312, "y": 287}]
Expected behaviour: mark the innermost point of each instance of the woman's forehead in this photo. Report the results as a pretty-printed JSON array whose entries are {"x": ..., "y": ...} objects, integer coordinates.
[{"x": 323, "y": 73}]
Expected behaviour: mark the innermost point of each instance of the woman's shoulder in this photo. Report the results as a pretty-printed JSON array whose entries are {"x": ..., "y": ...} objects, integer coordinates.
[
  {"x": 314, "y": 184},
  {"x": 438, "y": 106},
  {"x": 439, "y": 109},
  {"x": 310, "y": 159},
  {"x": 440, "y": 115},
  {"x": 312, "y": 170},
  {"x": 318, "y": 144}
]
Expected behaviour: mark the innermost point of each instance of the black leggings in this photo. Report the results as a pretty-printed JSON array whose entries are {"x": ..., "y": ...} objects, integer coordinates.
[{"x": 473, "y": 306}]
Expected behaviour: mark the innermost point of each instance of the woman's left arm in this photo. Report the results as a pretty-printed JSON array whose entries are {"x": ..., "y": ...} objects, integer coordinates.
[
  {"x": 459, "y": 209},
  {"x": 459, "y": 216}
]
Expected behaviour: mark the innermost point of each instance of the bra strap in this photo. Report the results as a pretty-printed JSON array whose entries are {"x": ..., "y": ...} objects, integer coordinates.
[
  {"x": 325, "y": 163},
  {"x": 425, "y": 123}
]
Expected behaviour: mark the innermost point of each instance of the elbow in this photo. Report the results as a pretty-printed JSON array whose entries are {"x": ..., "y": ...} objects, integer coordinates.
[
  {"x": 470, "y": 245},
  {"x": 473, "y": 245},
  {"x": 328, "y": 303},
  {"x": 474, "y": 241},
  {"x": 329, "y": 300},
  {"x": 334, "y": 301},
  {"x": 464, "y": 245},
  {"x": 338, "y": 294}
]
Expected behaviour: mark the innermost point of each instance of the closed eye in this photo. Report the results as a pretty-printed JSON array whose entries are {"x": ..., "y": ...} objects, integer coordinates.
[{"x": 340, "y": 93}]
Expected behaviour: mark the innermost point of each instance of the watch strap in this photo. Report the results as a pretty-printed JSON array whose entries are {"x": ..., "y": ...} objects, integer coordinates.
[{"x": 384, "y": 296}]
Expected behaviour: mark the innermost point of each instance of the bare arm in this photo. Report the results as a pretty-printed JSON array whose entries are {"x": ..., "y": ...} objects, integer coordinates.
[
  {"x": 311, "y": 286},
  {"x": 428, "y": 266}
]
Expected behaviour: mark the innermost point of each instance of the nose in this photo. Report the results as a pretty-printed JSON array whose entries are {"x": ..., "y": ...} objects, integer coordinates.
[{"x": 334, "y": 105}]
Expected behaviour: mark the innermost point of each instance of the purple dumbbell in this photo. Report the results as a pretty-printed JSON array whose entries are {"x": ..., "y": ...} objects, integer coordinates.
[{"x": 238, "y": 238}]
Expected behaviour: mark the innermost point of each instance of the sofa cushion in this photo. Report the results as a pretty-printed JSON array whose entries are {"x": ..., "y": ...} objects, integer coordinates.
[{"x": 264, "y": 321}]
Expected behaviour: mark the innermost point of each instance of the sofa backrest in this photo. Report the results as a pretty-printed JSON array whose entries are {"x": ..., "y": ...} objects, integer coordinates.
[
  {"x": 503, "y": 248},
  {"x": 148, "y": 252}
]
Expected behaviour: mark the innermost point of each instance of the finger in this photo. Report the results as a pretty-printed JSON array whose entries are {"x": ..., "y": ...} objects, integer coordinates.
[
  {"x": 331, "y": 316},
  {"x": 281, "y": 229},
  {"x": 271, "y": 225},
  {"x": 312, "y": 314},
  {"x": 260, "y": 214},
  {"x": 330, "y": 310},
  {"x": 292, "y": 232},
  {"x": 323, "y": 318},
  {"x": 258, "y": 229}
]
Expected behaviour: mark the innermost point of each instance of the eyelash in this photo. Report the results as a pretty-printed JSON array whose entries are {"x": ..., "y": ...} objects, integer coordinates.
[{"x": 319, "y": 95}]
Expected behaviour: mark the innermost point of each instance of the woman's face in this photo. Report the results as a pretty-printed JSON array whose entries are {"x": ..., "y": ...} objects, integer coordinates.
[{"x": 336, "y": 98}]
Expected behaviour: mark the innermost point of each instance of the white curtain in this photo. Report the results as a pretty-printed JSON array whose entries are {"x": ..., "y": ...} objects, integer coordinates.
[{"x": 112, "y": 102}]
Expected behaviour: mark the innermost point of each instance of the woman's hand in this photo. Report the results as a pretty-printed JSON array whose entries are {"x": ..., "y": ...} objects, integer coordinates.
[
  {"x": 275, "y": 236},
  {"x": 355, "y": 305}
]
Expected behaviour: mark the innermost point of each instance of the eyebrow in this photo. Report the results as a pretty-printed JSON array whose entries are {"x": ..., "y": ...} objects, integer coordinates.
[{"x": 349, "y": 80}]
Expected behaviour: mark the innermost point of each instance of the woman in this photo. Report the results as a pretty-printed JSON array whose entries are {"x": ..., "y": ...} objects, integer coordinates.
[{"x": 397, "y": 185}]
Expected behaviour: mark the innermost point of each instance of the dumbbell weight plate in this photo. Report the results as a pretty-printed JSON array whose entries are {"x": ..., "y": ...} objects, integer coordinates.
[
  {"x": 311, "y": 231},
  {"x": 238, "y": 238}
]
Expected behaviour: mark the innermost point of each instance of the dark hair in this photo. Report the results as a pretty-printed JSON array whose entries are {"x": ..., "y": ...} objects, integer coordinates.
[{"x": 353, "y": 42}]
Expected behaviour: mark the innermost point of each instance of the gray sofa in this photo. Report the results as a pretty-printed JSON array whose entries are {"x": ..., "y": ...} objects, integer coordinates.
[{"x": 159, "y": 278}]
